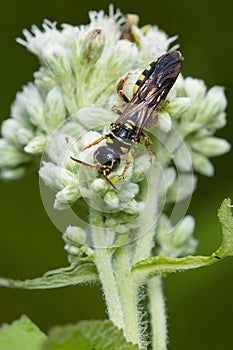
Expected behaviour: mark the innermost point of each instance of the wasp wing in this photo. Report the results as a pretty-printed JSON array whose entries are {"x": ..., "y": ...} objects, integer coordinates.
[{"x": 151, "y": 88}]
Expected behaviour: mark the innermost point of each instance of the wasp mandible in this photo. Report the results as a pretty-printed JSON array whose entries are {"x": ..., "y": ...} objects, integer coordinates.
[{"x": 152, "y": 87}]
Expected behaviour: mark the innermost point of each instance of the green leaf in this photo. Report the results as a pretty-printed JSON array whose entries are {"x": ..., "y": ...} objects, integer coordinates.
[
  {"x": 83, "y": 273},
  {"x": 159, "y": 265},
  {"x": 21, "y": 335},
  {"x": 88, "y": 335},
  {"x": 226, "y": 220}
]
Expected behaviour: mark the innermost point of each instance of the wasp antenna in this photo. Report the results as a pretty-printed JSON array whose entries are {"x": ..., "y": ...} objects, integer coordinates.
[
  {"x": 83, "y": 163},
  {"x": 111, "y": 184}
]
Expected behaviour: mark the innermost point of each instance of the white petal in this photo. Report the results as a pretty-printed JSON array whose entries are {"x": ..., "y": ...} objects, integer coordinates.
[
  {"x": 170, "y": 176},
  {"x": 10, "y": 155},
  {"x": 164, "y": 122},
  {"x": 54, "y": 110},
  {"x": 178, "y": 106},
  {"x": 195, "y": 88},
  {"x": 202, "y": 164},
  {"x": 211, "y": 146},
  {"x": 51, "y": 175},
  {"x": 214, "y": 103},
  {"x": 182, "y": 158},
  {"x": 12, "y": 174}
]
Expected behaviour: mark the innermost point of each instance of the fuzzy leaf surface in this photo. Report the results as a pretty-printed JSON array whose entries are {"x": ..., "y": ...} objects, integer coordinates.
[
  {"x": 160, "y": 265},
  {"x": 21, "y": 335},
  {"x": 88, "y": 335},
  {"x": 80, "y": 274}
]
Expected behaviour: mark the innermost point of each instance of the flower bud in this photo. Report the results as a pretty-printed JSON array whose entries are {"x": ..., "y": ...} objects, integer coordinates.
[
  {"x": 164, "y": 121},
  {"x": 214, "y": 103},
  {"x": 9, "y": 129},
  {"x": 196, "y": 89},
  {"x": 11, "y": 156},
  {"x": 211, "y": 146},
  {"x": 93, "y": 46},
  {"x": 36, "y": 145},
  {"x": 66, "y": 197},
  {"x": 99, "y": 186},
  {"x": 51, "y": 175},
  {"x": 202, "y": 164},
  {"x": 178, "y": 106},
  {"x": 54, "y": 110},
  {"x": 111, "y": 198},
  {"x": 75, "y": 235},
  {"x": 134, "y": 207},
  {"x": 12, "y": 174}
]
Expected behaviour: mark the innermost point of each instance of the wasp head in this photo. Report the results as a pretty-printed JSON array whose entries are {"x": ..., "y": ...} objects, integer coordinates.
[{"x": 106, "y": 160}]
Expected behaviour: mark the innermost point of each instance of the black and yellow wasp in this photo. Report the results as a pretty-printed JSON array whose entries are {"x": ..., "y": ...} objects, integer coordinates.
[{"x": 150, "y": 89}]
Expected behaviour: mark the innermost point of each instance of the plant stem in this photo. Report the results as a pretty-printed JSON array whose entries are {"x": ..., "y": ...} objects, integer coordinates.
[
  {"x": 128, "y": 289},
  {"x": 158, "y": 314},
  {"x": 103, "y": 262},
  {"x": 149, "y": 218}
]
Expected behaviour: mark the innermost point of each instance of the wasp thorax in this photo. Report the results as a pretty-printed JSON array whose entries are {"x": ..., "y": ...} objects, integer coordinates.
[{"x": 106, "y": 159}]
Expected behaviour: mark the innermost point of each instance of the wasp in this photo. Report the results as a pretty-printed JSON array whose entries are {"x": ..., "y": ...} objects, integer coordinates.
[{"x": 152, "y": 87}]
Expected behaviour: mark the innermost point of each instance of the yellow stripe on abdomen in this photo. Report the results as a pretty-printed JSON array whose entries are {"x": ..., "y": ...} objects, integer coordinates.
[{"x": 144, "y": 75}]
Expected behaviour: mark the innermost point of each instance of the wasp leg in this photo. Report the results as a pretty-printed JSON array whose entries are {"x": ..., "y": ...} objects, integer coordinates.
[
  {"x": 147, "y": 143},
  {"x": 120, "y": 87},
  {"x": 95, "y": 142},
  {"x": 116, "y": 110},
  {"x": 153, "y": 120},
  {"x": 123, "y": 96},
  {"x": 128, "y": 161}
]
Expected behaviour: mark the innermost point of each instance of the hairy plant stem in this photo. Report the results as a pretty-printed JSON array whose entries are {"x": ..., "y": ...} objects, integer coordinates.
[
  {"x": 120, "y": 287},
  {"x": 103, "y": 262},
  {"x": 157, "y": 314},
  {"x": 128, "y": 289},
  {"x": 148, "y": 219}
]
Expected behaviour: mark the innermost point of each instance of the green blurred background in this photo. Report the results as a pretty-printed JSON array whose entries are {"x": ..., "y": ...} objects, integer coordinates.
[{"x": 199, "y": 303}]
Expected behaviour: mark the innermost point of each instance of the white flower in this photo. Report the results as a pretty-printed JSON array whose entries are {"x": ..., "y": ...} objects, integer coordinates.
[
  {"x": 196, "y": 117},
  {"x": 152, "y": 34},
  {"x": 36, "y": 40}
]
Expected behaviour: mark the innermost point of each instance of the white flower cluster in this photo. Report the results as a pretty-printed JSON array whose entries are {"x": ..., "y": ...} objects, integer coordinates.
[
  {"x": 199, "y": 122},
  {"x": 73, "y": 92},
  {"x": 80, "y": 66}
]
